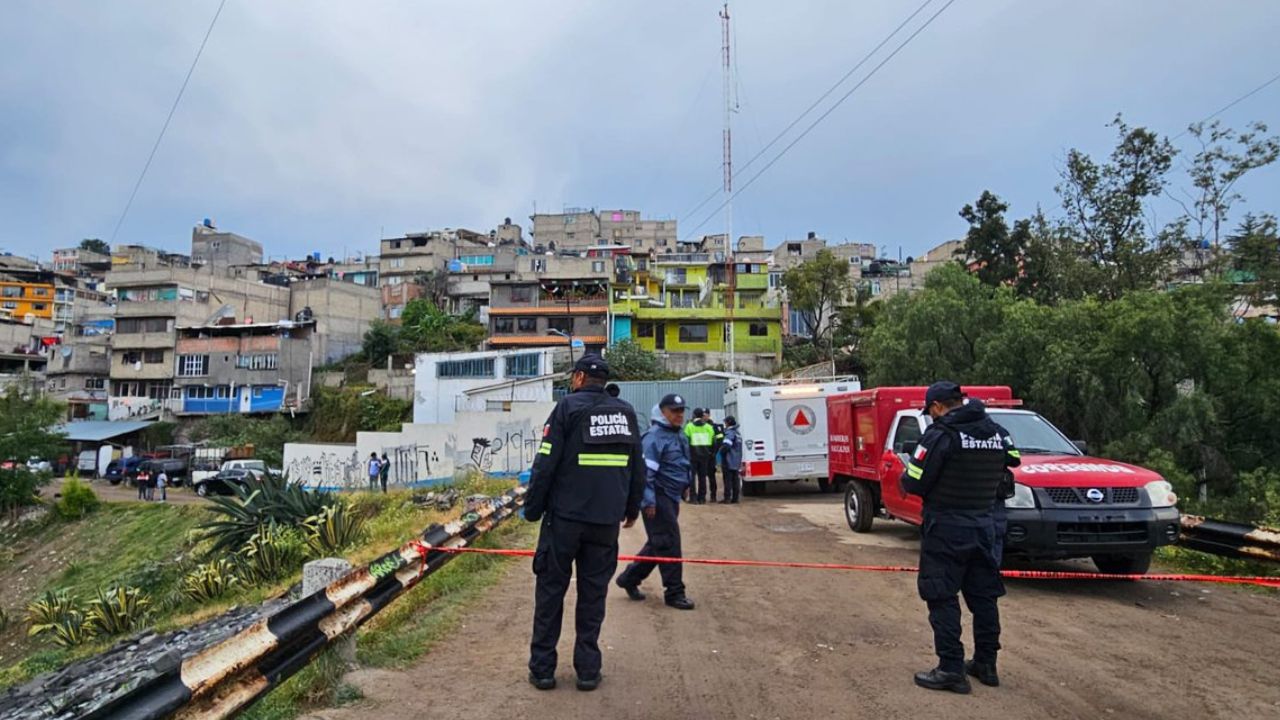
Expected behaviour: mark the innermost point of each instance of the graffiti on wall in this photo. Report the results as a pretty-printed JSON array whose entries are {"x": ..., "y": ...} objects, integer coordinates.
[
  {"x": 323, "y": 466},
  {"x": 128, "y": 408}
]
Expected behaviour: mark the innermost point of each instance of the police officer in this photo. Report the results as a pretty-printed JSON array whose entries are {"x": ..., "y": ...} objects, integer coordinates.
[
  {"x": 957, "y": 469},
  {"x": 731, "y": 460},
  {"x": 702, "y": 437},
  {"x": 666, "y": 459},
  {"x": 588, "y": 476}
]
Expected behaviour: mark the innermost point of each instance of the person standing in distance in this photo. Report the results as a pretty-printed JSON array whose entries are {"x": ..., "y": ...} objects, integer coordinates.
[
  {"x": 731, "y": 460},
  {"x": 701, "y": 436},
  {"x": 587, "y": 477},
  {"x": 384, "y": 471},
  {"x": 375, "y": 468},
  {"x": 667, "y": 476},
  {"x": 957, "y": 469}
]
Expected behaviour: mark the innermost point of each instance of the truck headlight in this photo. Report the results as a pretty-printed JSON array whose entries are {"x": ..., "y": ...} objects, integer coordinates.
[
  {"x": 1161, "y": 493},
  {"x": 1022, "y": 497}
]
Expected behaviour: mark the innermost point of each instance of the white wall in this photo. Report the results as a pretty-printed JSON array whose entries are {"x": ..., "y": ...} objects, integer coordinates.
[
  {"x": 500, "y": 443},
  {"x": 436, "y": 400}
]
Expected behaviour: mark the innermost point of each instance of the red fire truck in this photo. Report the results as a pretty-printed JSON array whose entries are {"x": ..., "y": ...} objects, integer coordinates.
[{"x": 1065, "y": 505}]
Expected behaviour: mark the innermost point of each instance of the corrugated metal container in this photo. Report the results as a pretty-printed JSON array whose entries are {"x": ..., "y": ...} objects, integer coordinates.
[{"x": 644, "y": 394}]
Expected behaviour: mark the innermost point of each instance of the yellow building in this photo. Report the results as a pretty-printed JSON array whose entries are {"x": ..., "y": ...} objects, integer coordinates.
[
  {"x": 682, "y": 303},
  {"x": 18, "y": 300}
]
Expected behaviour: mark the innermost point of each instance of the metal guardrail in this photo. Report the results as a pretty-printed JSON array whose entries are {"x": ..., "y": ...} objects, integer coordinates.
[
  {"x": 1228, "y": 539},
  {"x": 222, "y": 680}
]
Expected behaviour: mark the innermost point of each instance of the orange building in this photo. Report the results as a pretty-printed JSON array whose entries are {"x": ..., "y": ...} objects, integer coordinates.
[{"x": 21, "y": 299}]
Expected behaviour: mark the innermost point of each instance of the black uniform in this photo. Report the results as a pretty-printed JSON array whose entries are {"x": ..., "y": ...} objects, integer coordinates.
[
  {"x": 587, "y": 476},
  {"x": 958, "y": 468}
]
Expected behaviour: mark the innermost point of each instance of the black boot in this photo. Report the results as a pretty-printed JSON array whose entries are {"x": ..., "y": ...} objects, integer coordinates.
[
  {"x": 683, "y": 603},
  {"x": 939, "y": 679},
  {"x": 984, "y": 672},
  {"x": 633, "y": 591},
  {"x": 542, "y": 683},
  {"x": 591, "y": 683}
]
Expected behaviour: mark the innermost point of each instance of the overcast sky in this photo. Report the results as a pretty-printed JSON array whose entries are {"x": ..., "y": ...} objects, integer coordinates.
[{"x": 323, "y": 125}]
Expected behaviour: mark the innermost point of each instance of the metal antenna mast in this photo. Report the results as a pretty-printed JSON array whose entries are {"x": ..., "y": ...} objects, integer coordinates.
[{"x": 728, "y": 183}]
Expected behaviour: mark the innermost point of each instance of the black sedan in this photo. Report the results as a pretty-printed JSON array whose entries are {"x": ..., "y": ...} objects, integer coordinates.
[{"x": 224, "y": 483}]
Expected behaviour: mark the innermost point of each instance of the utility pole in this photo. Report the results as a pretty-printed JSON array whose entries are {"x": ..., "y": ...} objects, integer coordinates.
[{"x": 730, "y": 267}]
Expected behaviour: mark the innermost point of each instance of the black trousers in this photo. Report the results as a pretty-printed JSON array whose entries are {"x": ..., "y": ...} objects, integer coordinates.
[
  {"x": 958, "y": 559},
  {"x": 704, "y": 469},
  {"x": 732, "y": 483},
  {"x": 664, "y": 541},
  {"x": 562, "y": 544},
  {"x": 383, "y": 477}
]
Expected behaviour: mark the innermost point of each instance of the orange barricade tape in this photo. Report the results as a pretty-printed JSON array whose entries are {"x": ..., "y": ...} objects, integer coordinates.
[{"x": 1273, "y": 582}]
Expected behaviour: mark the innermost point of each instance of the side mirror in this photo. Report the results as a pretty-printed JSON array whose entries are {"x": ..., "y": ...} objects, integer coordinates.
[{"x": 1082, "y": 446}]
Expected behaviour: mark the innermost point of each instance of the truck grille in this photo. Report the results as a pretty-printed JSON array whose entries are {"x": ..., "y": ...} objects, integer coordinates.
[
  {"x": 1076, "y": 496},
  {"x": 1101, "y": 533}
]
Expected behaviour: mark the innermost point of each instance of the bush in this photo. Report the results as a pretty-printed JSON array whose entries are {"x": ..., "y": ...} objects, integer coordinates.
[
  {"x": 78, "y": 499},
  {"x": 210, "y": 581},
  {"x": 271, "y": 553},
  {"x": 265, "y": 501},
  {"x": 117, "y": 611},
  {"x": 333, "y": 529},
  {"x": 72, "y": 630},
  {"x": 46, "y": 612}
]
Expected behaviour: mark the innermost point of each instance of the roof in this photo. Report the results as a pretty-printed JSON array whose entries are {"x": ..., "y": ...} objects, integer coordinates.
[
  {"x": 513, "y": 382},
  {"x": 98, "y": 430},
  {"x": 536, "y": 340},
  {"x": 720, "y": 375}
]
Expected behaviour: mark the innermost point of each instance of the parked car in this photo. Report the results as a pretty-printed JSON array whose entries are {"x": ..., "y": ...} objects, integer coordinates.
[
  {"x": 87, "y": 463},
  {"x": 122, "y": 469},
  {"x": 224, "y": 483},
  {"x": 174, "y": 468},
  {"x": 35, "y": 464}
]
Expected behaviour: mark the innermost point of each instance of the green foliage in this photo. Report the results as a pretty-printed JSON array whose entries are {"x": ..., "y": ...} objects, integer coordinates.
[
  {"x": 334, "y": 529},
  {"x": 116, "y": 611},
  {"x": 95, "y": 245},
  {"x": 158, "y": 434},
  {"x": 260, "y": 502},
  {"x": 78, "y": 499},
  {"x": 989, "y": 243},
  {"x": 271, "y": 553},
  {"x": 25, "y": 425},
  {"x": 210, "y": 581},
  {"x": 628, "y": 361},
  {"x": 381, "y": 340},
  {"x": 71, "y": 629},
  {"x": 1255, "y": 257},
  {"x": 267, "y": 436},
  {"x": 44, "y": 613},
  {"x": 816, "y": 288},
  {"x": 337, "y": 414},
  {"x": 424, "y": 327}
]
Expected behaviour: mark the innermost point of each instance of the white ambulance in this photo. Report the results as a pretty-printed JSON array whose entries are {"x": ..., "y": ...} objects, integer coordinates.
[{"x": 784, "y": 429}]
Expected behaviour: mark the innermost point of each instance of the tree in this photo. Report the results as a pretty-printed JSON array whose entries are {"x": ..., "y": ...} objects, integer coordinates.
[
  {"x": 1216, "y": 169},
  {"x": 1106, "y": 204},
  {"x": 816, "y": 288},
  {"x": 628, "y": 361},
  {"x": 1053, "y": 269},
  {"x": 380, "y": 341},
  {"x": 95, "y": 245},
  {"x": 424, "y": 327},
  {"x": 1255, "y": 254},
  {"x": 26, "y": 431},
  {"x": 989, "y": 244}
]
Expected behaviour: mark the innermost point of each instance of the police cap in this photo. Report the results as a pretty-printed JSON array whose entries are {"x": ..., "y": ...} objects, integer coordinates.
[
  {"x": 672, "y": 400},
  {"x": 941, "y": 391},
  {"x": 592, "y": 365}
]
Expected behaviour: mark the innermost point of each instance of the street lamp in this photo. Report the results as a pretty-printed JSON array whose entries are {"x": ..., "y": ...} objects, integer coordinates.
[{"x": 567, "y": 336}]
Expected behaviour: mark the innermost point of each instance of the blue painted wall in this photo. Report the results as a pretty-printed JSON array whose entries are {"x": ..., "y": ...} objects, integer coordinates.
[{"x": 621, "y": 328}]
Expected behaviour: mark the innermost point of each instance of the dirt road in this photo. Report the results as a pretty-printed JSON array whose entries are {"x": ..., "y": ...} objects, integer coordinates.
[
  {"x": 767, "y": 643},
  {"x": 125, "y": 492}
]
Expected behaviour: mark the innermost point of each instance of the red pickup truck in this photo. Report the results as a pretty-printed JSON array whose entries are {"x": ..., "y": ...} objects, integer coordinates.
[{"x": 1065, "y": 505}]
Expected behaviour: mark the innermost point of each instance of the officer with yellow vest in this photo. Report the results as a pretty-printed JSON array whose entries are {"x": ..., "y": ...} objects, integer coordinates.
[{"x": 702, "y": 439}]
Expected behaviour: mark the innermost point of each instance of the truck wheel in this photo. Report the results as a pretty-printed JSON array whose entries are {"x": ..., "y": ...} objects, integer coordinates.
[
  {"x": 858, "y": 508},
  {"x": 1137, "y": 564}
]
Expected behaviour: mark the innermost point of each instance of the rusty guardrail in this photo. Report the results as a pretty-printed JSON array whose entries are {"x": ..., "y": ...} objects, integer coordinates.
[
  {"x": 1229, "y": 539},
  {"x": 222, "y": 680}
]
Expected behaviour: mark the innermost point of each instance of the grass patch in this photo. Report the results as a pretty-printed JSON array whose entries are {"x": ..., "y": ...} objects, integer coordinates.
[
  {"x": 316, "y": 685},
  {"x": 1194, "y": 561}
]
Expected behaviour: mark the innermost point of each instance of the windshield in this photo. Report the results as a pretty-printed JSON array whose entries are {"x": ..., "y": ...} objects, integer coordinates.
[{"x": 1033, "y": 434}]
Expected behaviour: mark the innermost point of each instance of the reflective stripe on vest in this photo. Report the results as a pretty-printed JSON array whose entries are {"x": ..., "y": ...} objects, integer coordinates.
[
  {"x": 603, "y": 459},
  {"x": 544, "y": 448}
]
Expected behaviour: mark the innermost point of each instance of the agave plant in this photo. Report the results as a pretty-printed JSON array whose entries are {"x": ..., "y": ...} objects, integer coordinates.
[
  {"x": 71, "y": 630},
  {"x": 210, "y": 581},
  {"x": 45, "y": 613},
  {"x": 333, "y": 529},
  {"x": 271, "y": 553},
  {"x": 260, "y": 501},
  {"x": 117, "y": 611}
]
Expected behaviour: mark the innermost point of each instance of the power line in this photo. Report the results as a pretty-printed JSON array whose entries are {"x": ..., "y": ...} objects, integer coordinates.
[
  {"x": 163, "y": 128},
  {"x": 741, "y": 169},
  {"x": 823, "y": 116},
  {"x": 1234, "y": 103}
]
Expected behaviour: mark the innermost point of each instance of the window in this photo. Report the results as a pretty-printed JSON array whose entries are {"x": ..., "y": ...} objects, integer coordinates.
[
  {"x": 563, "y": 324},
  {"x": 521, "y": 293},
  {"x": 222, "y": 392},
  {"x": 11, "y": 291},
  {"x": 525, "y": 365},
  {"x": 130, "y": 357},
  {"x": 684, "y": 299},
  {"x": 693, "y": 332},
  {"x": 158, "y": 389},
  {"x": 130, "y": 326},
  {"x": 10, "y": 305},
  {"x": 193, "y": 365},
  {"x": 676, "y": 276},
  {"x": 198, "y": 392},
  {"x": 907, "y": 436},
  {"x": 503, "y": 325},
  {"x": 95, "y": 383},
  {"x": 124, "y": 388},
  {"x": 597, "y": 266},
  {"x": 750, "y": 300},
  {"x": 149, "y": 294},
  {"x": 267, "y": 361},
  {"x": 527, "y": 324},
  {"x": 800, "y": 324},
  {"x": 41, "y": 292},
  {"x": 476, "y": 368},
  {"x": 476, "y": 259},
  {"x": 153, "y": 357},
  {"x": 758, "y": 329},
  {"x": 397, "y": 263},
  {"x": 497, "y": 405},
  {"x": 595, "y": 320},
  {"x": 395, "y": 311},
  {"x": 644, "y": 329},
  {"x": 775, "y": 279},
  {"x": 257, "y": 393}
]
